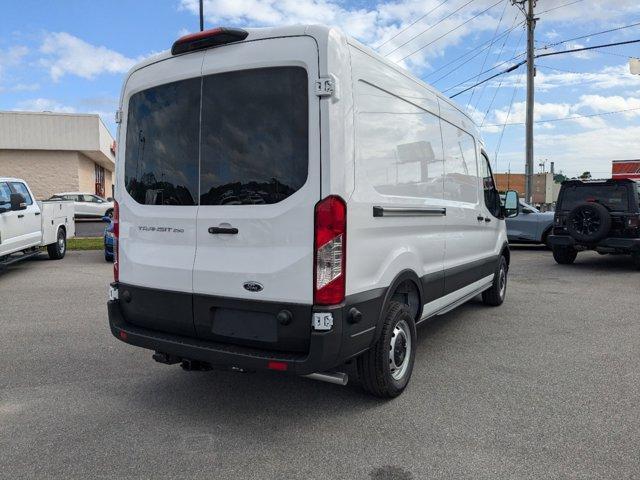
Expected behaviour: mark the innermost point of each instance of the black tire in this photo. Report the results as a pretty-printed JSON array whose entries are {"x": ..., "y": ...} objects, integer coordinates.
[
  {"x": 109, "y": 213},
  {"x": 376, "y": 367},
  {"x": 58, "y": 250},
  {"x": 107, "y": 258},
  {"x": 564, "y": 255},
  {"x": 589, "y": 222},
  {"x": 545, "y": 238},
  {"x": 495, "y": 296}
]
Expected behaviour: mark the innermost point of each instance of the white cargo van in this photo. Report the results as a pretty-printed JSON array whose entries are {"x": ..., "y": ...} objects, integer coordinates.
[
  {"x": 26, "y": 225},
  {"x": 289, "y": 200}
]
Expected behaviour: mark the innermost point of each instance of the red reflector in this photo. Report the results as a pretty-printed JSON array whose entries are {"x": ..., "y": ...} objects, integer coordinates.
[
  {"x": 123, "y": 336},
  {"x": 280, "y": 366},
  {"x": 208, "y": 38}
]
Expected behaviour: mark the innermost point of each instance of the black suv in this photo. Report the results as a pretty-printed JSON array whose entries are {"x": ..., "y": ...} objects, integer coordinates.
[{"x": 597, "y": 215}]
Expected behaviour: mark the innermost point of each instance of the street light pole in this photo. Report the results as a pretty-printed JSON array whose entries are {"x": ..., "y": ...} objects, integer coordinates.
[{"x": 531, "y": 73}]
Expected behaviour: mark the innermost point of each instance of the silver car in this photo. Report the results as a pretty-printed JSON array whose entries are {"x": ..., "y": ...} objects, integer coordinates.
[{"x": 531, "y": 226}]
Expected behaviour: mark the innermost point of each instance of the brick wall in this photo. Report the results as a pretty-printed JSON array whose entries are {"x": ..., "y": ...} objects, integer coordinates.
[{"x": 46, "y": 171}]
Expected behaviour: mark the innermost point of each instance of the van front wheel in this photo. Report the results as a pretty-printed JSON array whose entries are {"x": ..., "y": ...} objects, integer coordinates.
[
  {"x": 495, "y": 295},
  {"x": 385, "y": 369}
]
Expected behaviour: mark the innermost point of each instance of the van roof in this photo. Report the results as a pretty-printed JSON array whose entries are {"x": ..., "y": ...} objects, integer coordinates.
[{"x": 316, "y": 31}]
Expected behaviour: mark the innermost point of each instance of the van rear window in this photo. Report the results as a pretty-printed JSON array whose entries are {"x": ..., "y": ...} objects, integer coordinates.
[
  {"x": 161, "y": 160},
  {"x": 251, "y": 147},
  {"x": 254, "y": 136}
]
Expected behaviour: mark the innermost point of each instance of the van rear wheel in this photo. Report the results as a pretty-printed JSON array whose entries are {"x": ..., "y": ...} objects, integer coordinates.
[
  {"x": 57, "y": 250},
  {"x": 385, "y": 369}
]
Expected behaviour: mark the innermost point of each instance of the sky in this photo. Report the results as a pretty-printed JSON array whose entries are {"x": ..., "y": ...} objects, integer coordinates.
[{"x": 72, "y": 56}]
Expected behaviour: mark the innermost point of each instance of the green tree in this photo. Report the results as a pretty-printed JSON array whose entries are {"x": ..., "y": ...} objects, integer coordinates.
[{"x": 585, "y": 176}]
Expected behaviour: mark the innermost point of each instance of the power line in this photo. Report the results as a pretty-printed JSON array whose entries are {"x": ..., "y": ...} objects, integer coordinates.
[
  {"x": 484, "y": 62},
  {"x": 504, "y": 126},
  {"x": 487, "y": 71},
  {"x": 540, "y": 55},
  {"x": 484, "y": 86},
  {"x": 450, "y": 31},
  {"x": 559, "y": 6},
  {"x": 548, "y": 45},
  {"x": 442, "y": 77},
  {"x": 484, "y": 46},
  {"x": 573, "y": 117},
  {"x": 512, "y": 68},
  {"x": 429, "y": 28},
  {"x": 495, "y": 93},
  {"x": 412, "y": 24}
]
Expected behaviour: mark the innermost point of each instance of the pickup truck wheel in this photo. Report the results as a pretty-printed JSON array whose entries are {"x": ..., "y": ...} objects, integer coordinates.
[
  {"x": 564, "y": 255},
  {"x": 109, "y": 213},
  {"x": 57, "y": 250},
  {"x": 385, "y": 369},
  {"x": 496, "y": 294}
]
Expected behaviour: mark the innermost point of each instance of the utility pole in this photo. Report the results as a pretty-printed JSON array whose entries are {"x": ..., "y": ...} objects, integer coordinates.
[
  {"x": 531, "y": 73},
  {"x": 201, "y": 15}
]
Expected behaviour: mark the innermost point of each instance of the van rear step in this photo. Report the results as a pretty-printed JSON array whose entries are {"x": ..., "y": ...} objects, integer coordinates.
[{"x": 15, "y": 258}]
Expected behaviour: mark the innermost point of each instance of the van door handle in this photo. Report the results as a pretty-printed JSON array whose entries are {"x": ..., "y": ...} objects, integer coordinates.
[
  {"x": 480, "y": 218},
  {"x": 487, "y": 219},
  {"x": 223, "y": 230},
  {"x": 37, "y": 213},
  {"x": 20, "y": 216}
]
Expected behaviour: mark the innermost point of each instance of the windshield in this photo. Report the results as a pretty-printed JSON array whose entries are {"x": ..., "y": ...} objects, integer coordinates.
[{"x": 614, "y": 197}]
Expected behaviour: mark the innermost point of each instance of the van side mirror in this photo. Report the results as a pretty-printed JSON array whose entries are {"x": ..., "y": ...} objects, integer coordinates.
[
  {"x": 18, "y": 202},
  {"x": 511, "y": 204}
]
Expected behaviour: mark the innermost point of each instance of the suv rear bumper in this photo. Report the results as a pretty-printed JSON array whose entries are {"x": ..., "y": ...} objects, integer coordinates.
[
  {"x": 327, "y": 349},
  {"x": 630, "y": 244}
]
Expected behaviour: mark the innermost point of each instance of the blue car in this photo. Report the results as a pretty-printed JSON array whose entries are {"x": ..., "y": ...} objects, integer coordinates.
[
  {"x": 109, "y": 240},
  {"x": 531, "y": 226}
]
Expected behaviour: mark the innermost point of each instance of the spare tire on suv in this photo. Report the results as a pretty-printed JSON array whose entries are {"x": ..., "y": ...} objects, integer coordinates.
[{"x": 589, "y": 222}]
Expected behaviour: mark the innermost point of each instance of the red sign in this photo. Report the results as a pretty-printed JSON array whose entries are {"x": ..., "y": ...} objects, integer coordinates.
[{"x": 626, "y": 169}]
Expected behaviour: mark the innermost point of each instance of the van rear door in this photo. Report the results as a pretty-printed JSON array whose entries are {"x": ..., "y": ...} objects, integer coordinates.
[
  {"x": 259, "y": 177},
  {"x": 159, "y": 142}
]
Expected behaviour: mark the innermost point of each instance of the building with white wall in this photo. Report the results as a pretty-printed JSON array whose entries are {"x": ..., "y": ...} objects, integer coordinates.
[{"x": 57, "y": 152}]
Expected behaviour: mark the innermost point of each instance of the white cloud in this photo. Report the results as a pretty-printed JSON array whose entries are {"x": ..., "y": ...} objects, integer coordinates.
[
  {"x": 43, "y": 105},
  {"x": 65, "y": 54},
  {"x": 12, "y": 56},
  {"x": 599, "y": 103}
]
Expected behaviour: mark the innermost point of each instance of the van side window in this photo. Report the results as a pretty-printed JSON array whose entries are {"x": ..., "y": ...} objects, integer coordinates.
[
  {"x": 161, "y": 160},
  {"x": 5, "y": 195},
  {"x": 491, "y": 197},
  {"x": 461, "y": 170},
  {"x": 255, "y": 136},
  {"x": 398, "y": 145},
  {"x": 21, "y": 188}
]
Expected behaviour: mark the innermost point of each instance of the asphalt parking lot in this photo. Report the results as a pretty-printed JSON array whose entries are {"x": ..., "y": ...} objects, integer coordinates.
[{"x": 546, "y": 386}]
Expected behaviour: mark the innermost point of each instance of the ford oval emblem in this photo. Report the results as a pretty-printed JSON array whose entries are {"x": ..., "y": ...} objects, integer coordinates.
[{"x": 253, "y": 286}]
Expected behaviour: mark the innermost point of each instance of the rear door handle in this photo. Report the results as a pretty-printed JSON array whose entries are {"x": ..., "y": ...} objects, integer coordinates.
[
  {"x": 37, "y": 213},
  {"x": 487, "y": 219},
  {"x": 20, "y": 216},
  {"x": 223, "y": 230}
]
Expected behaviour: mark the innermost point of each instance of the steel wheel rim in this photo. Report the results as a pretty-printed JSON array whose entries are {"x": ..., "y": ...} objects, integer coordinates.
[
  {"x": 61, "y": 243},
  {"x": 502, "y": 281},
  {"x": 400, "y": 350}
]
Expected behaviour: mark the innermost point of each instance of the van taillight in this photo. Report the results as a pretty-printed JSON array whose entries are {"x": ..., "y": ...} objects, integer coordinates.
[
  {"x": 330, "y": 251},
  {"x": 116, "y": 241}
]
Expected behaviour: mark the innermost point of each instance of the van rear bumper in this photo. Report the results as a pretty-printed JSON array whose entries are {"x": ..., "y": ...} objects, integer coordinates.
[{"x": 323, "y": 354}]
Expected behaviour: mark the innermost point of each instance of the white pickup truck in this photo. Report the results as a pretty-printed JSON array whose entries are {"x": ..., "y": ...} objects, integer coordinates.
[{"x": 27, "y": 225}]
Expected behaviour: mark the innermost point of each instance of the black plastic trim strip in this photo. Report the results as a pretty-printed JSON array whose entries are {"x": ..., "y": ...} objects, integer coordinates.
[{"x": 408, "y": 212}]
